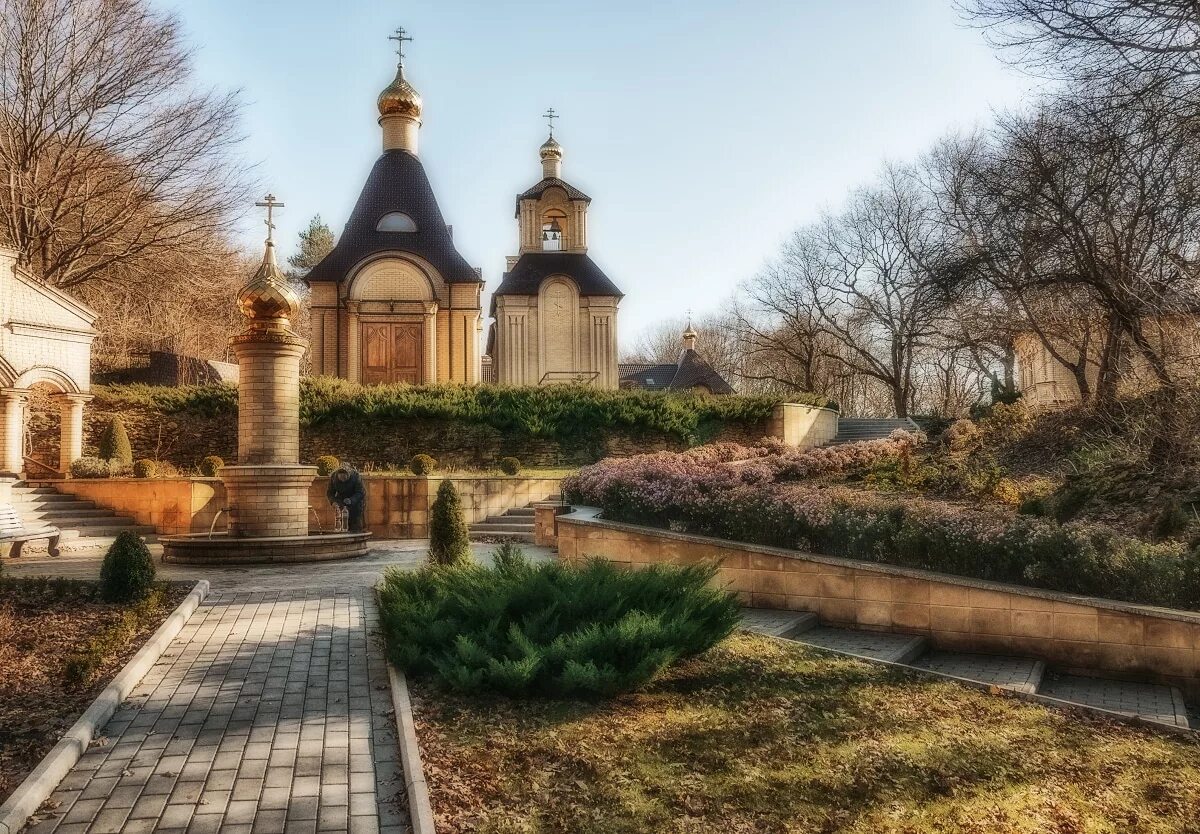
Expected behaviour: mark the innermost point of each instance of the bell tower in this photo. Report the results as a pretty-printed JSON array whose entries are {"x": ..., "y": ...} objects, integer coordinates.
[{"x": 552, "y": 216}]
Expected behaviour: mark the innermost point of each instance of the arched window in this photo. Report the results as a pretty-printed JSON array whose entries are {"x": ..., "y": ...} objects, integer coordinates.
[
  {"x": 396, "y": 221},
  {"x": 553, "y": 231}
]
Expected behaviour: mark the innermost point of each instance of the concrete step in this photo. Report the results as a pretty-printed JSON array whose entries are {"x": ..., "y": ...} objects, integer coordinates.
[
  {"x": 508, "y": 519},
  {"x": 524, "y": 512},
  {"x": 106, "y": 531},
  {"x": 488, "y": 528},
  {"x": 53, "y": 498},
  {"x": 1143, "y": 700},
  {"x": 494, "y": 535},
  {"x": 1023, "y": 674},
  {"x": 50, "y": 514},
  {"x": 777, "y": 623},
  {"x": 877, "y": 645}
]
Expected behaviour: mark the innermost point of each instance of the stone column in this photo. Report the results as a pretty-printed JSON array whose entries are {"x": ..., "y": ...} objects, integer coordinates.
[
  {"x": 70, "y": 444},
  {"x": 431, "y": 344},
  {"x": 12, "y": 420},
  {"x": 353, "y": 348},
  {"x": 269, "y": 398}
]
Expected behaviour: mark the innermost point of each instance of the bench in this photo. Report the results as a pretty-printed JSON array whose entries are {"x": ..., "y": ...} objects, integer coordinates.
[{"x": 14, "y": 533}]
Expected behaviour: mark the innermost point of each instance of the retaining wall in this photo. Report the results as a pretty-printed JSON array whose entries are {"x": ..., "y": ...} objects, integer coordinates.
[{"x": 1073, "y": 633}]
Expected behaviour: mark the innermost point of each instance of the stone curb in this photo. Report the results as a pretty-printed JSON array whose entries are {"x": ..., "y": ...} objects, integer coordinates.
[
  {"x": 420, "y": 811},
  {"x": 1020, "y": 694},
  {"x": 38, "y": 786}
]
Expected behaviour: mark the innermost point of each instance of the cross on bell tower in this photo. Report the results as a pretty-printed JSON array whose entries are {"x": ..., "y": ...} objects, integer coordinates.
[{"x": 270, "y": 204}]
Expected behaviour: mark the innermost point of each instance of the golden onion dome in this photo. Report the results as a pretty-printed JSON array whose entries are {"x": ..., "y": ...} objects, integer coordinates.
[
  {"x": 268, "y": 297},
  {"x": 400, "y": 98},
  {"x": 551, "y": 149}
]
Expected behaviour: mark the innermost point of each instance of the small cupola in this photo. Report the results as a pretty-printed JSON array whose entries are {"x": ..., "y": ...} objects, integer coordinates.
[{"x": 400, "y": 106}]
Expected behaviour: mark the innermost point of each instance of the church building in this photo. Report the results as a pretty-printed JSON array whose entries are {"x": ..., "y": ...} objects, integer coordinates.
[
  {"x": 555, "y": 310},
  {"x": 395, "y": 301}
]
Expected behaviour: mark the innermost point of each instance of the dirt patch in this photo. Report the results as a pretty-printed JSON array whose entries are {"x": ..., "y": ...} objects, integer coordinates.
[{"x": 43, "y": 624}]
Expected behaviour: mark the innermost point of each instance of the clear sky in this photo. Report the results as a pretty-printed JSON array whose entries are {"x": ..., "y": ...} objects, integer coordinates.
[{"x": 704, "y": 130}]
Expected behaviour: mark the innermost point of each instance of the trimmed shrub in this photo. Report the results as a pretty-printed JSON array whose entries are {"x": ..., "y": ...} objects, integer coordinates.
[
  {"x": 510, "y": 465},
  {"x": 327, "y": 464},
  {"x": 127, "y": 572},
  {"x": 211, "y": 465},
  {"x": 114, "y": 442},
  {"x": 593, "y": 630},
  {"x": 423, "y": 465},
  {"x": 90, "y": 467},
  {"x": 145, "y": 468},
  {"x": 448, "y": 542}
]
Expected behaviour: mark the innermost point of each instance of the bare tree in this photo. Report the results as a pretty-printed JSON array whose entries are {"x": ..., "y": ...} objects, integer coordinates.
[
  {"x": 111, "y": 158},
  {"x": 1138, "y": 44}
]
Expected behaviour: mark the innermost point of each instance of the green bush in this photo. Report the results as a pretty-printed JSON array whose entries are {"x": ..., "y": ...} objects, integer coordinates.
[
  {"x": 448, "y": 542},
  {"x": 554, "y": 629},
  {"x": 210, "y": 466},
  {"x": 114, "y": 442},
  {"x": 423, "y": 465},
  {"x": 326, "y": 464},
  {"x": 510, "y": 465},
  {"x": 145, "y": 468},
  {"x": 127, "y": 572},
  {"x": 90, "y": 467}
]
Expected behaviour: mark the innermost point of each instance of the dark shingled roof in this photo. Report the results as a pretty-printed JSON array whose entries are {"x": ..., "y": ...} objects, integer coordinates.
[
  {"x": 534, "y": 193},
  {"x": 527, "y": 274},
  {"x": 691, "y": 371},
  {"x": 397, "y": 183}
]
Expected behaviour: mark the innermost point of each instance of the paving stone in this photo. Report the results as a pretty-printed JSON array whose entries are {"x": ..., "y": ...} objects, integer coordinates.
[
  {"x": 1020, "y": 673},
  {"x": 777, "y": 623},
  {"x": 1159, "y": 703},
  {"x": 878, "y": 645}
]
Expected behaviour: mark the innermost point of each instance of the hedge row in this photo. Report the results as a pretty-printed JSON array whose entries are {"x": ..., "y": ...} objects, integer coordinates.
[{"x": 559, "y": 412}]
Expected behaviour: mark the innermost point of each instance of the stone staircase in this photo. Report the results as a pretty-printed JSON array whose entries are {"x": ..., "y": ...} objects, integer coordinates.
[
  {"x": 1159, "y": 704},
  {"x": 853, "y": 429},
  {"x": 515, "y": 525},
  {"x": 84, "y": 525}
]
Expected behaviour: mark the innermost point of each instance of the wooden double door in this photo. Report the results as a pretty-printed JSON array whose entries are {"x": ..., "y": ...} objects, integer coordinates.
[{"x": 393, "y": 352}]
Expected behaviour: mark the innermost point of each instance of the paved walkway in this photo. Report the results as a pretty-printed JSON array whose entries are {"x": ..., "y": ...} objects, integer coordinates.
[{"x": 270, "y": 712}]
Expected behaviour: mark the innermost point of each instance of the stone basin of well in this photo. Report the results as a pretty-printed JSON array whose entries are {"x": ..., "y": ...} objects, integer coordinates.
[{"x": 227, "y": 549}]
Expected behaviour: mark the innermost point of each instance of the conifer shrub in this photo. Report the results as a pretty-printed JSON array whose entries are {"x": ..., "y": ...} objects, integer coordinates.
[
  {"x": 510, "y": 465},
  {"x": 448, "y": 542},
  {"x": 423, "y": 465},
  {"x": 114, "y": 442},
  {"x": 210, "y": 465},
  {"x": 127, "y": 573},
  {"x": 326, "y": 464},
  {"x": 145, "y": 468},
  {"x": 552, "y": 629}
]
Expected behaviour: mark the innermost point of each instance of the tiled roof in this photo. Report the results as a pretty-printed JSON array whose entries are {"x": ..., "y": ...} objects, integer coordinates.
[
  {"x": 690, "y": 372},
  {"x": 534, "y": 193},
  {"x": 397, "y": 182},
  {"x": 527, "y": 274}
]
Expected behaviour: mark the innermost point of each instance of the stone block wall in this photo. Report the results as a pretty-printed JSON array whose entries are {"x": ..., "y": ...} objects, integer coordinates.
[
  {"x": 803, "y": 425},
  {"x": 1073, "y": 633}
]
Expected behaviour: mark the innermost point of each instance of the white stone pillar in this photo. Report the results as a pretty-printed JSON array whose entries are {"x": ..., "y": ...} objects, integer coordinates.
[
  {"x": 430, "y": 346},
  {"x": 353, "y": 349},
  {"x": 12, "y": 416},
  {"x": 70, "y": 444}
]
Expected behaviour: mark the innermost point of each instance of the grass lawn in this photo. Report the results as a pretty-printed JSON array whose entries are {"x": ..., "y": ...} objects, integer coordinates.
[
  {"x": 760, "y": 736},
  {"x": 47, "y": 626}
]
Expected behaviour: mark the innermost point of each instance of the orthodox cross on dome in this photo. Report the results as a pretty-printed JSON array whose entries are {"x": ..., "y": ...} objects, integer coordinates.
[
  {"x": 550, "y": 116},
  {"x": 270, "y": 204},
  {"x": 401, "y": 37}
]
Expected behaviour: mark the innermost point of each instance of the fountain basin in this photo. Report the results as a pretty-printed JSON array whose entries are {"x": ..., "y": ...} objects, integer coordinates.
[{"x": 226, "y": 549}]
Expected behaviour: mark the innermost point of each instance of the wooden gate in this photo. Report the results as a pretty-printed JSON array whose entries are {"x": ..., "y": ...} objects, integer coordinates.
[{"x": 393, "y": 353}]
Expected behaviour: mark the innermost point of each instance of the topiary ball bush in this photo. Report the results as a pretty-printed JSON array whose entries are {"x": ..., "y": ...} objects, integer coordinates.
[
  {"x": 114, "y": 442},
  {"x": 89, "y": 467},
  {"x": 210, "y": 466},
  {"x": 551, "y": 629},
  {"x": 448, "y": 542},
  {"x": 127, "y": 573},
  {"x": 422, "y": 465},
  {"x": 510, "y": 465},
  {"x": 326, "y": 464},
  {"x": 145, "y": 468}
]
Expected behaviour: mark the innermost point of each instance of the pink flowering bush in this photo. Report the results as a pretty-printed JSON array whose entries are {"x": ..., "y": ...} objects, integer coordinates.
[{"x": 749, "y": 494}]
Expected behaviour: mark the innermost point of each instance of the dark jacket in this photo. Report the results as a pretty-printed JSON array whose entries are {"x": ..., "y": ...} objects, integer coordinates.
[{"x": 349, "y": 493}]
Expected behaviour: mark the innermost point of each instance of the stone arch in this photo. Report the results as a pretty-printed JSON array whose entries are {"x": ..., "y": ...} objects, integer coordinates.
[
  {"x": 48, "y": 375},
  {"x": 558, "y": 327},
  {"x": 393, "y": 278}
]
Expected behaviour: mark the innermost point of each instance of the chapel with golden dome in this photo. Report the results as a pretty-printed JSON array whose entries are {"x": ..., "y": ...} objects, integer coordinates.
[{"x": 395, "y": 301}]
